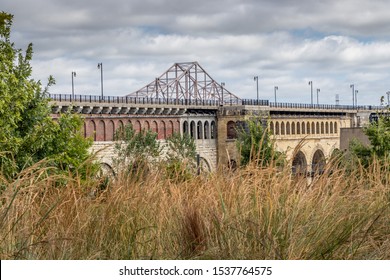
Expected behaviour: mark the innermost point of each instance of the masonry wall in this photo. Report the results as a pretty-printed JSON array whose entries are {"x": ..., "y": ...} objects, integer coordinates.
[{"x": 350, "y": 133}]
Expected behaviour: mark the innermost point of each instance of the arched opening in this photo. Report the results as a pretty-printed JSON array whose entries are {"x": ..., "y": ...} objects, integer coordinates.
[
  {"x": 298, "y": 128},
  {"x": 308, "y": 128},
  {"x": 101, "y": 131},
  {"x": 199, "y": 129},
  {"x": 193, "y": 130},
  {"x": 271, "y": 127},
  {"x": 313, "y": 128},
  {"x": 232, "y": 165},
  {"x": 293, "y": 128},
  {"x": 303, "y": 128},
  {"x": 288, "y": 132},
  {"x": 299, "y": 164},
  {"x": 163, "y": 130},
  {"x": 147, "y": 125},
  {"x": 171, "y": 128},
  {"x": 277, "y": 130},
  {"x": 318, "y": 128},
  {"x": 185, "y": 127},
  {"x": 322, "y": 128},
  {"x": 231, "y": 132},
  {"x": 213, "y": 131},
  {"x": 318, "y": 162},
  {"x": 137, "y": 126},
  {"x": 110, "y": 131},
  {"x": 327, "y": 128},
  {"x": 282, "y": 128},
  {"x": 335, "y": 127},
  {"x": 204, "y": 166},
  {"x": 331, "y": 128},
  {"x": 206, "y": 130},
  {"x": 91, "y": 130},
  {"x": 155, "y": 128}
]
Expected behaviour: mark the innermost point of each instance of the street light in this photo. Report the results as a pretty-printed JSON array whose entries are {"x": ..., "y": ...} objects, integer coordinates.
[
  {"x": 353, "y": 94},
  {"x": 275, "y": 89},
  {"x": 311, "y": 91},
  {"x": 100, "y": 66},
  {"x": 222, "y": 85},
  {"x": 256, "y": 79},
  {"x": 318, "y": 90},
  {"x": 356, "y": 92},
  {"x": 73, "y": 75},
  {"x": 388, "y": 98}
]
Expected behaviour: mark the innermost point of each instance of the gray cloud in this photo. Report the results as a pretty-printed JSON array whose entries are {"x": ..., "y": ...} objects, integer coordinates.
[{"x": 286, "y": 43}]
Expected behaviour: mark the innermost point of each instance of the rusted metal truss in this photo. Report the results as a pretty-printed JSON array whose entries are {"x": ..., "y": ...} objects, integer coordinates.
[{"x": 187, "y": 81}]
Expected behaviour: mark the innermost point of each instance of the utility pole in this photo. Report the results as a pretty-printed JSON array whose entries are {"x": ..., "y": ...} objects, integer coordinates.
[
  {"x": 73, "y": 75},
  {"x": 256, "y": 79},
  {"x": 311, "y": 92}
]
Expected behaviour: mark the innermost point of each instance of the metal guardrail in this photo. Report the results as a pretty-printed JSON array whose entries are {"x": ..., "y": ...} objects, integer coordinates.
[{"x": 210, "y": 103}]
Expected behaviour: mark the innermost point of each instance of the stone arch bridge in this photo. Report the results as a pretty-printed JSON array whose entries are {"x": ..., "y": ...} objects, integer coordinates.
[{"x": 186, "y": 99}]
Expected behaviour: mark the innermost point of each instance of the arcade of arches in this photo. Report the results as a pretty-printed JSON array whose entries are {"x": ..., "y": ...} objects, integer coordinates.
[
  {"x": 321, "y": 137},
  {"x": 104, "y": 129}
]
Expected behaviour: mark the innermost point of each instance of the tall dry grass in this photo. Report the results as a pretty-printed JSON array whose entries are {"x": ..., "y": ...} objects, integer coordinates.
[{"x": 247, "y": 214}]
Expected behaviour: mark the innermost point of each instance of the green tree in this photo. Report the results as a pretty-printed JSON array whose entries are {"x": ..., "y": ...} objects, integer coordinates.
[
  {"x": 28, "y": 134},
  {"x": 255, "y": 144},
  {"x": 180, "y": 163},
  {"x": 379, "y": 135},
  {"x": 135, "y": 152}
]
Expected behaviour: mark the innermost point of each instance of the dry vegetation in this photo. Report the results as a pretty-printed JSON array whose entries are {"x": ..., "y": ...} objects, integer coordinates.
[{"x": 247, "y": 214}]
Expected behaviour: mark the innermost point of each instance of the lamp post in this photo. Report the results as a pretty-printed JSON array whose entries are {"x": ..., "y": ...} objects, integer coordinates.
[
  {"x": 275, "y": 89},
  {"x": 222, "y": 85},
  {"x": 318, "y": 90},
  {"x": 356, "y": 92},
  {"x": 73, "y": 75},
  {"x": 353, "y": 94},
  {"x": 311, "y": 91},
  {"x": 388, "y": 98},
  {"x": 100, "y": 66},
  {"x": 256, "y": 79}
]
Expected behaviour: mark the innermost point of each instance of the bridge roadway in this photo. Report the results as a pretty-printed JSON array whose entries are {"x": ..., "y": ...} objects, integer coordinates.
[{"x": 212, "y": 124}]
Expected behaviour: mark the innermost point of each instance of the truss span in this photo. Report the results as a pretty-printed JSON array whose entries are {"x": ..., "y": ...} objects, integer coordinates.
[{"x": 187, "y": 81}]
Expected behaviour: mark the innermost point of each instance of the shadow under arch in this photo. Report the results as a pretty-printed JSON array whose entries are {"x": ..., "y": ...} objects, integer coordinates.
[
  {"x": 299, "y": 164},
  {"x": 318, "y": 162}
]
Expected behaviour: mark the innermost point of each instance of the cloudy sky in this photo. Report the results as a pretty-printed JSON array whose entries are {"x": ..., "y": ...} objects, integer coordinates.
[{"x": 333, "y": 43}]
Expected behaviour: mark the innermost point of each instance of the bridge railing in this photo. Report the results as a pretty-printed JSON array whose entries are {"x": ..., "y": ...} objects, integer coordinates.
[
  {"x": 325, "y": 106},
  {"x": 210, "y": 103},
  {"x": 135, "y": 100}
]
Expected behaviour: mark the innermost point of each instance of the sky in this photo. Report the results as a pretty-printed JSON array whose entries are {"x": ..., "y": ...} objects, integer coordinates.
[{"x": 333, "y": 43}]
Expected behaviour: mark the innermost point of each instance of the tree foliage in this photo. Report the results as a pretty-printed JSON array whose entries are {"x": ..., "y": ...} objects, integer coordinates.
[
  {"x": 378, "y": 133},
  {"x": 135, "y": 152},
  {"x": 28, "y": 133},
  {"x": 180, "y": 164},
  {"x": 255, "y": 144}
]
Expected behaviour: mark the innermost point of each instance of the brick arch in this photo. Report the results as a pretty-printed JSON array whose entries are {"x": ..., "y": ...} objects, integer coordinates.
[
  {"x": 154, "y": 127},
  {"x": 171, "y": 128},
  {"x": 85, "y": 129},
  {"x": 299, "y": 163},
  {"x": 162, "y": 130},
  {"x": 120, "y": 125},
  {"x": 101, "y": 131},
  {"x": 146, "y": 125},
  {"x": 110, "y": 130},
  {"x": 91, "y": 129},
  {"x": 137, "y": 126}
]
